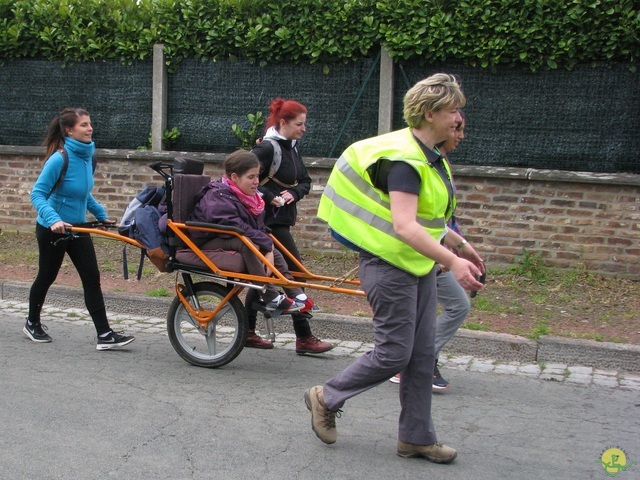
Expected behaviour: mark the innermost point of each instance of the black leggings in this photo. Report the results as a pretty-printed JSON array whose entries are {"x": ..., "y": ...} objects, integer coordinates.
[
  {"x": 83, "y": 256},
  {"x": 283, "y": 234},
  {"x": 301, "y": 325}
]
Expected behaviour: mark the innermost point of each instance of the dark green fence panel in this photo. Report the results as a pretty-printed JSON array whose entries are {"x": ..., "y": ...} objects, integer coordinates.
[
  {"x": 205, "y": 99},
  {"x": 117, "y": 97},
  {"x": 584, "y": 120}
]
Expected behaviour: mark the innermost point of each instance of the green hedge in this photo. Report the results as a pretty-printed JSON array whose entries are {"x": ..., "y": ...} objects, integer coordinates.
[
  {"x": 537, "y": 33},
  {"x": 76, "y": 30},
  {"x": 531, "y": 33}
]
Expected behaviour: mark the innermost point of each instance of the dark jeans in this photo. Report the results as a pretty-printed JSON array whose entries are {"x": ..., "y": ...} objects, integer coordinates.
[
  {"x": 301, "y": 325},
  {"x": 83, "y": 256},
  {"x": 254, "y": 265},
  {"x": 283, "y": 234}
]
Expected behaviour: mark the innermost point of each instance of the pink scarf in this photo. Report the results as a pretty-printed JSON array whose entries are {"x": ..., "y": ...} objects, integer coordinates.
[{"x": 255, "y": 203}]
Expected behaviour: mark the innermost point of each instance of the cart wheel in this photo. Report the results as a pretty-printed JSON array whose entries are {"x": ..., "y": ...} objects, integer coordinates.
[{"x": 218, "y": 342}]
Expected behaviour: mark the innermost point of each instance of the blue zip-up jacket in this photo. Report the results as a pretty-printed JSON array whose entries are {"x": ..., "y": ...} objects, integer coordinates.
[{"x": 71, "y": 200}]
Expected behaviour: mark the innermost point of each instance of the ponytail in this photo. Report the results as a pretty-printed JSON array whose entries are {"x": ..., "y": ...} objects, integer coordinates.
[
  {"x": 281, "y": 109},
  {"x": 56, "y": 132}
]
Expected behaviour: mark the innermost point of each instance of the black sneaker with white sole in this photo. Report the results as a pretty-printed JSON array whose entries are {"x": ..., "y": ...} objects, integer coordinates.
[
  {"x": 36, "y": 332},
  {"x": 439, "y": 384},
  {"x": 113, "y": 340}
]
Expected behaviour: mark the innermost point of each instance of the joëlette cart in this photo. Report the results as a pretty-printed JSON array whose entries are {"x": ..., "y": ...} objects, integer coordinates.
[{"x": 207, "y": 322}]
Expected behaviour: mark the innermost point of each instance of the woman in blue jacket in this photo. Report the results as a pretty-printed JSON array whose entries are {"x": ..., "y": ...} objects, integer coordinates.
[{"x": 61, "y": 204}]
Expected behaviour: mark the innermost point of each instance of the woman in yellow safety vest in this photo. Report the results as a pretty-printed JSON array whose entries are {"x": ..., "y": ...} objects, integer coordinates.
[{"x": 389, "y": 197}]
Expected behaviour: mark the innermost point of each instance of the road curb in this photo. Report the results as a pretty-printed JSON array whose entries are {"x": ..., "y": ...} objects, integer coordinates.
[{"x": 495, "y": 346}]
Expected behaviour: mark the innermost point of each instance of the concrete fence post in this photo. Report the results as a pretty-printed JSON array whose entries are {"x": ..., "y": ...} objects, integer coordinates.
[
  {"x": 159, "y": 101},
  {"x": 385, "y": 102}
]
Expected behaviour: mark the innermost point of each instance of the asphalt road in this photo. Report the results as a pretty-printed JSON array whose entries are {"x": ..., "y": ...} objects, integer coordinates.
[{"x": 71, "y": 412}]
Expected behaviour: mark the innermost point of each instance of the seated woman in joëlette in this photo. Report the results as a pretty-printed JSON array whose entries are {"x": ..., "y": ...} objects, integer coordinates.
[{"x": 233, "y": 200}]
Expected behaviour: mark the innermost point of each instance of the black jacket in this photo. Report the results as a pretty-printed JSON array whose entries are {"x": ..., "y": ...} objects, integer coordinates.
[{"x": 291, "y": 170}]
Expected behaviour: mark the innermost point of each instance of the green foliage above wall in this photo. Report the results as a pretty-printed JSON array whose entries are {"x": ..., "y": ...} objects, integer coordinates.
[
  {"x": 534, "y": 34},
  {"x": 76, "y": 30}
]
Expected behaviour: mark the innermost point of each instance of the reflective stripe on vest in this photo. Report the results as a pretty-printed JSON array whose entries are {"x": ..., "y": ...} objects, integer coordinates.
[{"x": 368, "y": 190}]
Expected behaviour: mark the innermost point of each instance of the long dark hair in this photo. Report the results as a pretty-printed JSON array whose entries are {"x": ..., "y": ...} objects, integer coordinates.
[{"x": 56, "y": 132}]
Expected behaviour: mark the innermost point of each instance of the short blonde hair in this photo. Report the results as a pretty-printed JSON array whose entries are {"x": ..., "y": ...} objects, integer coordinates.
[{"x": 434, "y": 93}]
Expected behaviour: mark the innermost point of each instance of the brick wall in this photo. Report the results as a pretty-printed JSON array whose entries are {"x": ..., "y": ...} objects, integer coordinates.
[{"x": 576, "y": 220}]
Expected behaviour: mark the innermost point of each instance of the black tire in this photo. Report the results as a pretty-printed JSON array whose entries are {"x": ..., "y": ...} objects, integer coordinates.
[{"x": 224, "y": 337}]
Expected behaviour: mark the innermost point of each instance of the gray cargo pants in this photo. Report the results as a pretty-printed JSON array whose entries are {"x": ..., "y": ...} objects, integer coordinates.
[
  {"x": 404, "y": 313},
  {"x": 456, "y": 306}
]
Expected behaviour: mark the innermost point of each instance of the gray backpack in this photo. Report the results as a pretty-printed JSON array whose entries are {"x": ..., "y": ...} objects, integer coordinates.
[
  {"x": 277, "y": 159},
  {"x": 275, "y": 164}
]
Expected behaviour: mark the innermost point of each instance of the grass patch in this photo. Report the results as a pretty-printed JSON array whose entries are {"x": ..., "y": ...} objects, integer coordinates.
[
  {"x": 539, "y": 298},
  {"x": 487, "y": 305},
  {"x": 517, "y": 309},
  {"x": 578, "y": 275},
  {"x": 598, "y": 337},
  {"x": 475, "y": 326},
  {"x": 158, "y": 292},
  {"x": 515, "y": 330},
  {"x": 607, "y": 318},
  {"x": 539, "y": 329},
  {"x": 531, "y": 266},
  {"x": 499, "y": 271}
]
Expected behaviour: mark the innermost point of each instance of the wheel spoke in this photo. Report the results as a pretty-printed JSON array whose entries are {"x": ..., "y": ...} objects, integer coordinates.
[
  {"x": 217, "y": 343},
  {"x": 211, "y": 338},
  {"x": 188, "y": 318}
]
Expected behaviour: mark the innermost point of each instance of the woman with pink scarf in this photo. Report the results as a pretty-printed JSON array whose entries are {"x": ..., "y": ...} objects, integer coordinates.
[{"x": 234, "y": 200}]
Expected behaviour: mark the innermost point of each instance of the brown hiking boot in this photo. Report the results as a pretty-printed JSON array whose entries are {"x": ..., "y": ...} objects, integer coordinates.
[
  {"x": 256, "y": 341},
  {"x": 323, "y": 420},
  {"x": 436, "y": 452},
  {"x": 311, "y": 344}
]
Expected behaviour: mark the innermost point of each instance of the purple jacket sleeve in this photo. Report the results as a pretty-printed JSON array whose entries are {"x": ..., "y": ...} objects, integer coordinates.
[{"x": 217, "y": 208}]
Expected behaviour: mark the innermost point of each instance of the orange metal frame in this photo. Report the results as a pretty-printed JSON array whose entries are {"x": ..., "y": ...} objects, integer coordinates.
[{"x": 313, "y": 281}]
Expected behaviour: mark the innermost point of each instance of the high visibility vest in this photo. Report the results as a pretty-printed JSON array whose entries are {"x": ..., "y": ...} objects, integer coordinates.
[{"x": 358, "y": 211}]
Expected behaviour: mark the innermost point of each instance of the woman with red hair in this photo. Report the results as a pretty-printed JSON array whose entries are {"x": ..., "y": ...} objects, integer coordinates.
[{"x": 281, "y": 191}]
